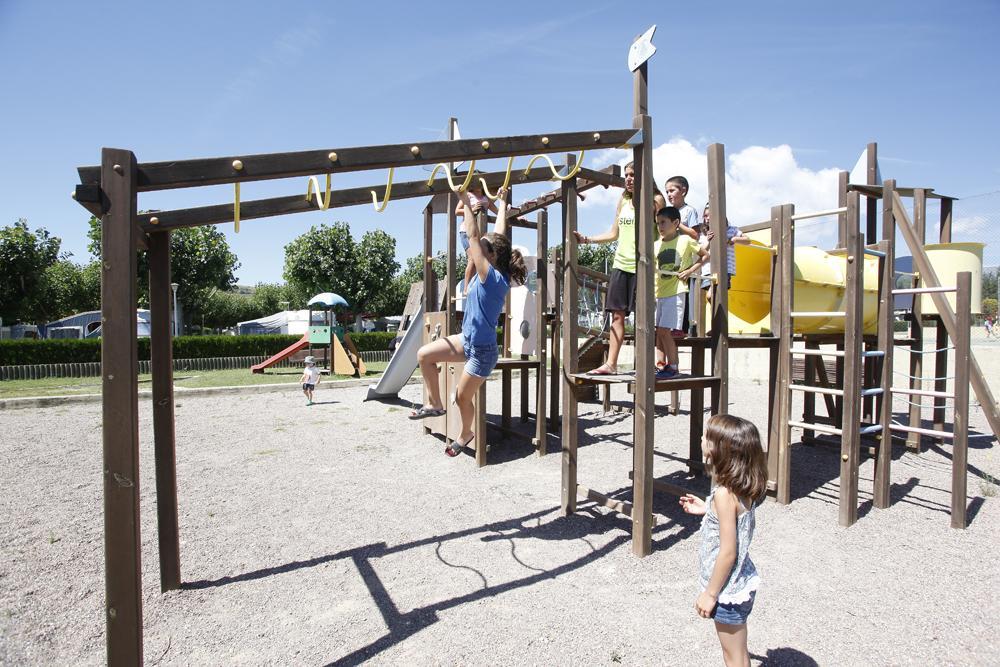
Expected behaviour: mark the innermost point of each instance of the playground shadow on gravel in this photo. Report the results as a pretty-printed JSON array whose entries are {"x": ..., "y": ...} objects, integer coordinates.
[{"x": 587, "y": 522}]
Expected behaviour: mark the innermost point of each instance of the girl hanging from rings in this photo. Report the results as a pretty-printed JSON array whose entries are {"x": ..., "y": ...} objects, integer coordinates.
[{"x": 496, "y": 264}]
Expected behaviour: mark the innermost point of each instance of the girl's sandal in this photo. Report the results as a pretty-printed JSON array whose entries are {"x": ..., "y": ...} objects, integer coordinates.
[
  {"x": 603, "y": 369},
  {"x": 425, "y": 412},
  {"x": 455, "y": 448}
]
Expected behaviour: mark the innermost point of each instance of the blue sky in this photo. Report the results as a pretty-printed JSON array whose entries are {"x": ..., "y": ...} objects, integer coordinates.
[{"x": 794, "y": 90}]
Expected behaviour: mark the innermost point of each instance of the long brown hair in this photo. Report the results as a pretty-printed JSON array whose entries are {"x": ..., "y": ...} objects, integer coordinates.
[
  {"x": 738, "y": 461},
  {"x": 508, "y": 261}
]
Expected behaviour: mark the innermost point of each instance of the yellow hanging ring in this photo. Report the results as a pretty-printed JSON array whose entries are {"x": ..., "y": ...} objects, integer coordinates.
[
  {"x": 323, "y": 203},
  {"x": 555, "y": 174},
  {"x": 236, "y": 207},
  {"x": 388, "y": 192},
  {"x": 447, "y": 172},
  {"x": 506, "y": 181}
]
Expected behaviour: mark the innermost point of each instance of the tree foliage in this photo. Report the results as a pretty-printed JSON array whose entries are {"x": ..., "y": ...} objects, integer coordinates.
[
  {"x": 327, "y": 259},
  {"x": 24, "y": 257},
  {"x": 222, "y": 309},
  {"x": 200, "y": 261}
]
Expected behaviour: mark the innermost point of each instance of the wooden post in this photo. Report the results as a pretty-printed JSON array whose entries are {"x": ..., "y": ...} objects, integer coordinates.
[
  {"x": 431, "y": 303},
  {"x": 449, "y": 284},
  {"x": 645, "y": 332},
  {"x": 164, "y": 447},
  {"x": 913, "y": 440},
  {"x": 809, "y": 364},
  {"x": 774, "y": 351},
  {"x": 541, "y": 301},
  {"x": 850, "y": 437},
  {"x": 555, "y": 335},
  {"x": 525, "y": 376},
  {"x": 569, "y": 344},
  {"x": 452, "y": 324},
  {"x": 695, "y": 455},
  {"x": 843, "y": 180},
  {"x": 886, "y": 318},
  {"x": 786, "y": 259},
  {"x": 871, "y": 204},
  {"x": 720, "y": 266},
  {"x": 941, "y": 357},
  {"x": 960, "y": 443},
  {"x": 120, "y": 410}
]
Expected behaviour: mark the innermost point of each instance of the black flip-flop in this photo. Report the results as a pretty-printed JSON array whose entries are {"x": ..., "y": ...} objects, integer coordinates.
[{"x": 425, "y": 412}]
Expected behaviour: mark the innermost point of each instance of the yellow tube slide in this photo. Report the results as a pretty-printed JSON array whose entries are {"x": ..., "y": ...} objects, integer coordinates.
[{"x": 819, "y": 285}]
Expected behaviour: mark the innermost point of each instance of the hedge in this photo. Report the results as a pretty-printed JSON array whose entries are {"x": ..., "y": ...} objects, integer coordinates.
[{"x": 63, "y": 351}]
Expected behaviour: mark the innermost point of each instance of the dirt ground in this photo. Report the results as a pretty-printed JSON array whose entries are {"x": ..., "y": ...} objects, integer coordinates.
[{"x": 339, "y": 533}]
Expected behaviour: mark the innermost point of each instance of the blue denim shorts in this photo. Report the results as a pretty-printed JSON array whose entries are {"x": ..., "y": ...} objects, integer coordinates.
[
  {"x": 480, "y": 359},
  {"x": 734, "y": 614}
]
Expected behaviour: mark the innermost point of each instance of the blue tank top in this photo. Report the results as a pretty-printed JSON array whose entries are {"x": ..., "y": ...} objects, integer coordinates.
[{"x": 482, "y": 308}]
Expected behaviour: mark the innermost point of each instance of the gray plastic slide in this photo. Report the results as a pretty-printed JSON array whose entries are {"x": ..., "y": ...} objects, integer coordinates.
[{"x": 403, "y": 362}]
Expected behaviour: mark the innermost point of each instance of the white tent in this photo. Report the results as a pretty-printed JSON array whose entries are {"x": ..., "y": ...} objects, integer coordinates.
[{"x": 294, "y": 322}]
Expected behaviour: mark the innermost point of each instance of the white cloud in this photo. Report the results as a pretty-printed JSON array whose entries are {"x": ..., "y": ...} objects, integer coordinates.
[
  {"x": 757, "y": 178},
  {"x": 972, "y": 225}
]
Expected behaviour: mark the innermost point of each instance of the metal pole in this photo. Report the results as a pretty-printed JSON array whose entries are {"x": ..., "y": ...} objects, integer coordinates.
[{"x": 177, "y": 329}]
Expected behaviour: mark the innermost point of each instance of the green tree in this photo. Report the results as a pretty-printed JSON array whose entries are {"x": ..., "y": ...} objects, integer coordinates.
[
  {"x": 24, "y": 257},
  {"x": 327, "y": 259},
  {"x": 989, "y": 307},
  {"x": 597, "y": 256},
  {"x": 200, "y": 260},
  {"x": 65, "y": 288}
]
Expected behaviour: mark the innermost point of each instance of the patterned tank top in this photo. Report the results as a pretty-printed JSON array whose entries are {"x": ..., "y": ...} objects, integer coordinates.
[{"x": 744, "y": 579}]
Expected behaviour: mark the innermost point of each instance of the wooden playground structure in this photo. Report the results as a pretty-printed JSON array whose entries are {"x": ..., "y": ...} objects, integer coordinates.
[{"x": 111, "y": 189}]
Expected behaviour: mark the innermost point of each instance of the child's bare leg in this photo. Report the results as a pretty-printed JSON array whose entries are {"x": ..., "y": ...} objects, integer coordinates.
[
  {"x": 442, "y": 350},
  {"x": 617, "y": 336},
  {"x": 670, "y": 345},
  {"x": 734, "y": 644},
  {"x": 661, "y": 345}
]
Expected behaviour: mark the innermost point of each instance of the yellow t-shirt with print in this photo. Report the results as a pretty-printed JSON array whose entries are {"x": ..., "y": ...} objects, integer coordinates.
[
  {"x": 625, "y": 253},
  {"x": 672, "y": 256}
]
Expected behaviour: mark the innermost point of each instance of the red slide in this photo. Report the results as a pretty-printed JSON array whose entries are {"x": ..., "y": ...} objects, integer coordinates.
[{"x": 284, "y": 354}]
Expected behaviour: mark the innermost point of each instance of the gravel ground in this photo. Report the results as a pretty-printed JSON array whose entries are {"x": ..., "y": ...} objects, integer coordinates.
[{"x": 339, "y": 534}]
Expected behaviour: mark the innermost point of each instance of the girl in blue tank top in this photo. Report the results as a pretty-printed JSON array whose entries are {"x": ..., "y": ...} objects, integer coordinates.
[
  {"x": 727, "y": 576},
  {"x": 495, "y": 265}
]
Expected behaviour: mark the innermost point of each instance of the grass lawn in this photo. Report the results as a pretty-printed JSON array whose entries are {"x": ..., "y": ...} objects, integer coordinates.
[{"x": 185, "y": 379}]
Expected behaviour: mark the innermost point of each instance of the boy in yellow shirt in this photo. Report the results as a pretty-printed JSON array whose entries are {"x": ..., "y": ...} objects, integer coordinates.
[{"x": 678, "y": 257}]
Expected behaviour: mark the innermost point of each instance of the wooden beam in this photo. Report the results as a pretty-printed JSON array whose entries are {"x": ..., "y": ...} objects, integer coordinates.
[
  {"x": 164, "y": 441},
  {"x": 913, "y": 440},
  {"x": 120, "y": 411},
  {"x": 217, "y": 170},
  {"x": 783, "y": 456},
  {"x": 430, "y": 280},
  {"x": 941, "y": 357},
  {"x": 569, "y": 348},
  {"x": 608, "y": 177},
  {"x": 720, "y": 267},
  {"x": 541, "y": 340},
  {"x": 645, "y": 331},
  {"x": 266, "y": 208},
  {"x": 883, "y": 461},
  {"x": 850, "y": 439},
  {"x": 960, "y": 443}
]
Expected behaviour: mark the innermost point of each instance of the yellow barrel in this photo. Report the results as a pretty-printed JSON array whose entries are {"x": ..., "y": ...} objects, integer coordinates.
[{"x": 948, "y": 260}]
